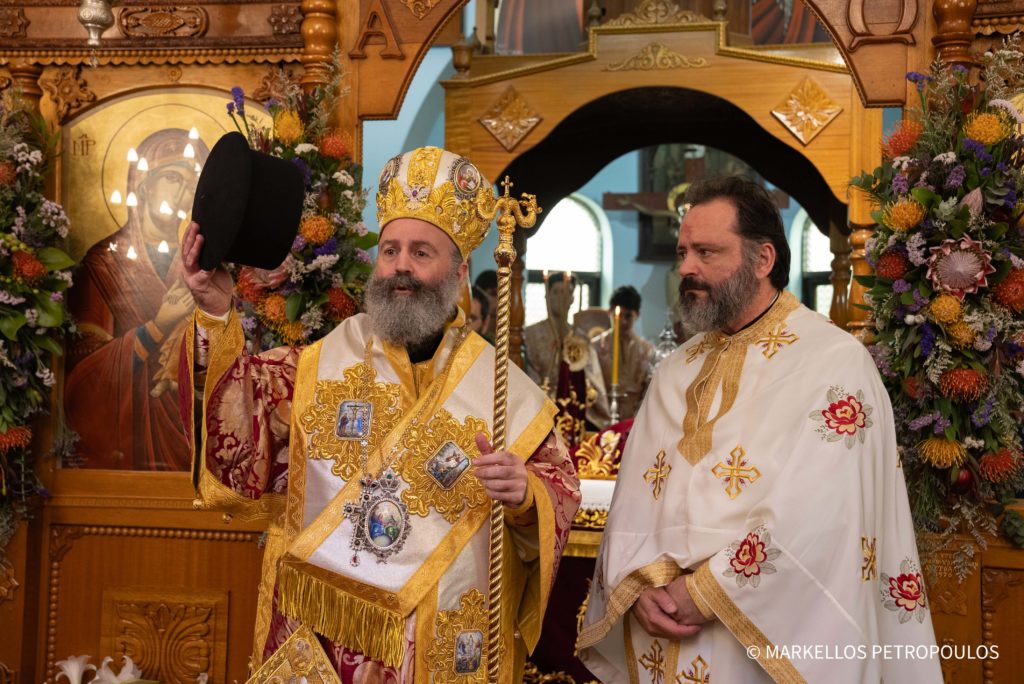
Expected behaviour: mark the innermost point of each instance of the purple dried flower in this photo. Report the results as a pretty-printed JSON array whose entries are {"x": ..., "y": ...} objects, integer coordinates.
[
  {"x": 901, "y": 286},
  {"x": 304, "y": 168},
  {"x": 983, "y": 414},
  {"x": 940, "y": 425},
  {"x": 900, "y": 184},
  {"x": 231, "y": 108},
  {"x": 918, "y": 79},
  {"x": 927, "y": 339},
  {"x": 329, "y": 247},
  {"x": 238, "y": 95},
  {"x": 299, "y": 243},
  {"x": 923, "y": 421},
  {"x": 956, "y": 176},
  {"x": 363, "y": 255}
]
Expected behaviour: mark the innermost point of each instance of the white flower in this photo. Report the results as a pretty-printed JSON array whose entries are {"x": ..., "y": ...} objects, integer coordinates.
[
  {"x": 946, "y": 208},
  {"x": 901, "y": 163},
  {"x": 10, "y": 299},
  {"x": 46, "y": 375},
  {"x": 303, "y": 148},
  {"x": 128, "y": 672},
  {"x": 347, "y": 194},
  {"x": 973, "y": 443},
  {"x": 74, "y": 668},
  {"x": 913, "y": 319},
  {"x": 343, "y": 177},
  {"x": 359, "y": 229},
  {"x": 1009, "y": 108},
  {"x": 945, "y": 157},
  {"x": 982, "y": 344},
  {"x": 31, "y": 317},
  {"x": 1016, "y": 261},
  {"x": 324, "y": 262}
]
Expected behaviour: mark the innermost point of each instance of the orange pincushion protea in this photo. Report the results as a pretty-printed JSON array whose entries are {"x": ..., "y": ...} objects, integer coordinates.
[
  {"x": 1000, "y": 466},
  {"x": 8, "y": 173},
  {"x": 961, "y": 335},
  {"x": 903, "y": 215},
  {"x": 963, "y": 384},
  {"x": 273, "y": 309},
  {"x": 1010, "y": 291},
  {"x": 15, "y": 438},
  {"x": 316, "y": 229},
  {"x": 903, "y": 138},
  {"x": 946, "y": 309},
  {"x": 336, "y": 145},
  {"x": 988, "y": 128},
  {"x": 942, "y": 452},
  {"x": 339, "y": 304},
  {"x": 892, "y": 265},
  {"x": 27, "y": 267}
]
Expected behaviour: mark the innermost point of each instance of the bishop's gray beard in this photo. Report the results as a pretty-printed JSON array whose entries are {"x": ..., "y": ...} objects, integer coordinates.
[
  {"x": 724, "y": 302},
  {"x": 410, "y": 320}
]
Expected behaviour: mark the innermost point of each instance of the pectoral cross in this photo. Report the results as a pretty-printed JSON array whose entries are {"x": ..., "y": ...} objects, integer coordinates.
[
  {"x": 657, "y": 473},
  {"x": 737, "y": 471}
]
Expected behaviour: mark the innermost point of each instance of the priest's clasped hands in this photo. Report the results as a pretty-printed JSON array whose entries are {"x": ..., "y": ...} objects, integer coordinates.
[{"x": 668, "y": 612}]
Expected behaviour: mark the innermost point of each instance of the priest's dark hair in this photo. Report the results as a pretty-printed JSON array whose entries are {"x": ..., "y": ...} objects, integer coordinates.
[
  {"x": 627, "y": 297},
  {"x": 758, "y": 217},
  {"x": 485, "y": 301}
]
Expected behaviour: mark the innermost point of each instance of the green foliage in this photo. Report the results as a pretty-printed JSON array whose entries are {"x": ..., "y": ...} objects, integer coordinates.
[
  {"x": 323, "y": 277},
  {"x": 34, "y": 274},
  {"x": 949, "y": 340}
]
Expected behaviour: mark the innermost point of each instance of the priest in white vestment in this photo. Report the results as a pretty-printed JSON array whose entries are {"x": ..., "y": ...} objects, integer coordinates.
[{"x": 760, "y": 528}]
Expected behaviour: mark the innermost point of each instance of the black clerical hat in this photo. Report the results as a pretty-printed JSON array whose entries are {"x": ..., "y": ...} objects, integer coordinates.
[{"x": 247, "y": 204}]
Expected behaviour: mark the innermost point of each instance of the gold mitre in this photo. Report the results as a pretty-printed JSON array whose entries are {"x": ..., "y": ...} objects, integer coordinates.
[{"x": 436, "y": 186}]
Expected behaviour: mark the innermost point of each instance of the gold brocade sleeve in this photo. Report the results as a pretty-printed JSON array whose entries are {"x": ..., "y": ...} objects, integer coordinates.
[
  {"x": 236, "y": 410},
  {"x": 555, "y": 491},
  {"x": 780, "y": 669}
]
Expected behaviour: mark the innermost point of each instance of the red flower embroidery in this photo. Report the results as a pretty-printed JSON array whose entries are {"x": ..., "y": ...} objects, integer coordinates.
[
  {"x": 845, "y": 416},
  {"x": 906, "y": 591},
  {"x": 749, "y": 556}
]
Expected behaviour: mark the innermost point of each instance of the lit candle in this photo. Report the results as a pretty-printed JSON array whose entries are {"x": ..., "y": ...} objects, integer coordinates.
[{"x": 615, "y": 348}]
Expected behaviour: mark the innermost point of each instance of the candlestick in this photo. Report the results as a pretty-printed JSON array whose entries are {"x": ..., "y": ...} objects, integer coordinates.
[
  {"x": 615, "y": 348},
  {"x": 613, "y": 404}
]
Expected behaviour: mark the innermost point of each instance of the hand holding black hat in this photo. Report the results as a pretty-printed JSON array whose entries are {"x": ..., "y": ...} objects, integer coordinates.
[{"x": 210, "y": 289}]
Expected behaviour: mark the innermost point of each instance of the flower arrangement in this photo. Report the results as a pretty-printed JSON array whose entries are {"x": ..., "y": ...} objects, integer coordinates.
[
  {"x": 34, "y": 273},
  {"x": 322, "y": 279},
  {"x": 947, "y": 297}
]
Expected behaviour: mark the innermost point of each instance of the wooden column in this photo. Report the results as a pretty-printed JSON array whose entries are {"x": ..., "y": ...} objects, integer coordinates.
[
  {"x": 953, "y": 34},
  {"x": 319, "y": 35},
  {"x": 840, "y": 247}
]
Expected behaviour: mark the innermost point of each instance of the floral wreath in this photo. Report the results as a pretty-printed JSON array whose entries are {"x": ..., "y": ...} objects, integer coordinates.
[
  {"x": 322, "y": 279},
  {"x": 947, "y": 297}
]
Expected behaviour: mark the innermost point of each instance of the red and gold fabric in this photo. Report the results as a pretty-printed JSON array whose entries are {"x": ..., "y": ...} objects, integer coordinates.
[{"x": 275, "y": 446}]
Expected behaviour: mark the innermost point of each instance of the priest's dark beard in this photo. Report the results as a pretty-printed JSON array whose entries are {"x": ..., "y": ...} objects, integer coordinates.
[
  {"x": 724, "y": 302},
  {"x": 410, "y": 320}
]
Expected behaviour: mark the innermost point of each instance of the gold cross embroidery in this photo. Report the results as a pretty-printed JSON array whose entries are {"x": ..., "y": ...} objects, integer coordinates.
[
  {"x": 654, "y": 662},
  {"x": 705, "y": 344},
  {"x": 697, "y": 675},
  {"x": 657, "y": 473},
  {"x": 775, "y": 339},
  {"x": 868, "y": 571},
  {"x": 737, "y": 471}
]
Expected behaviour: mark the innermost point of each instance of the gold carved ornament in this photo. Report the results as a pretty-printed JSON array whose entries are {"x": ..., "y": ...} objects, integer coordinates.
[
  {"x": 806, "y": 110},
  {"x": 420, "y": 8},
  {"x": 657, "y": 57},
  {"x": 651, "y": 12},
  {"x": 595, "y": 457},
  {"x": 421, "y": 442},
  {"x": 510, "y": 119},
  {"x": 318, "y": 420}
]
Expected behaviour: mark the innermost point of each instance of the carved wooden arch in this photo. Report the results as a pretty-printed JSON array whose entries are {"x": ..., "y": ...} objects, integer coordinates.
[{"x": 801, "y": 99}]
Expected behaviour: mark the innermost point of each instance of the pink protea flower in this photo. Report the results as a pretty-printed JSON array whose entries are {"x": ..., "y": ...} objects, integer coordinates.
[{"x": 959, "y": 266}]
